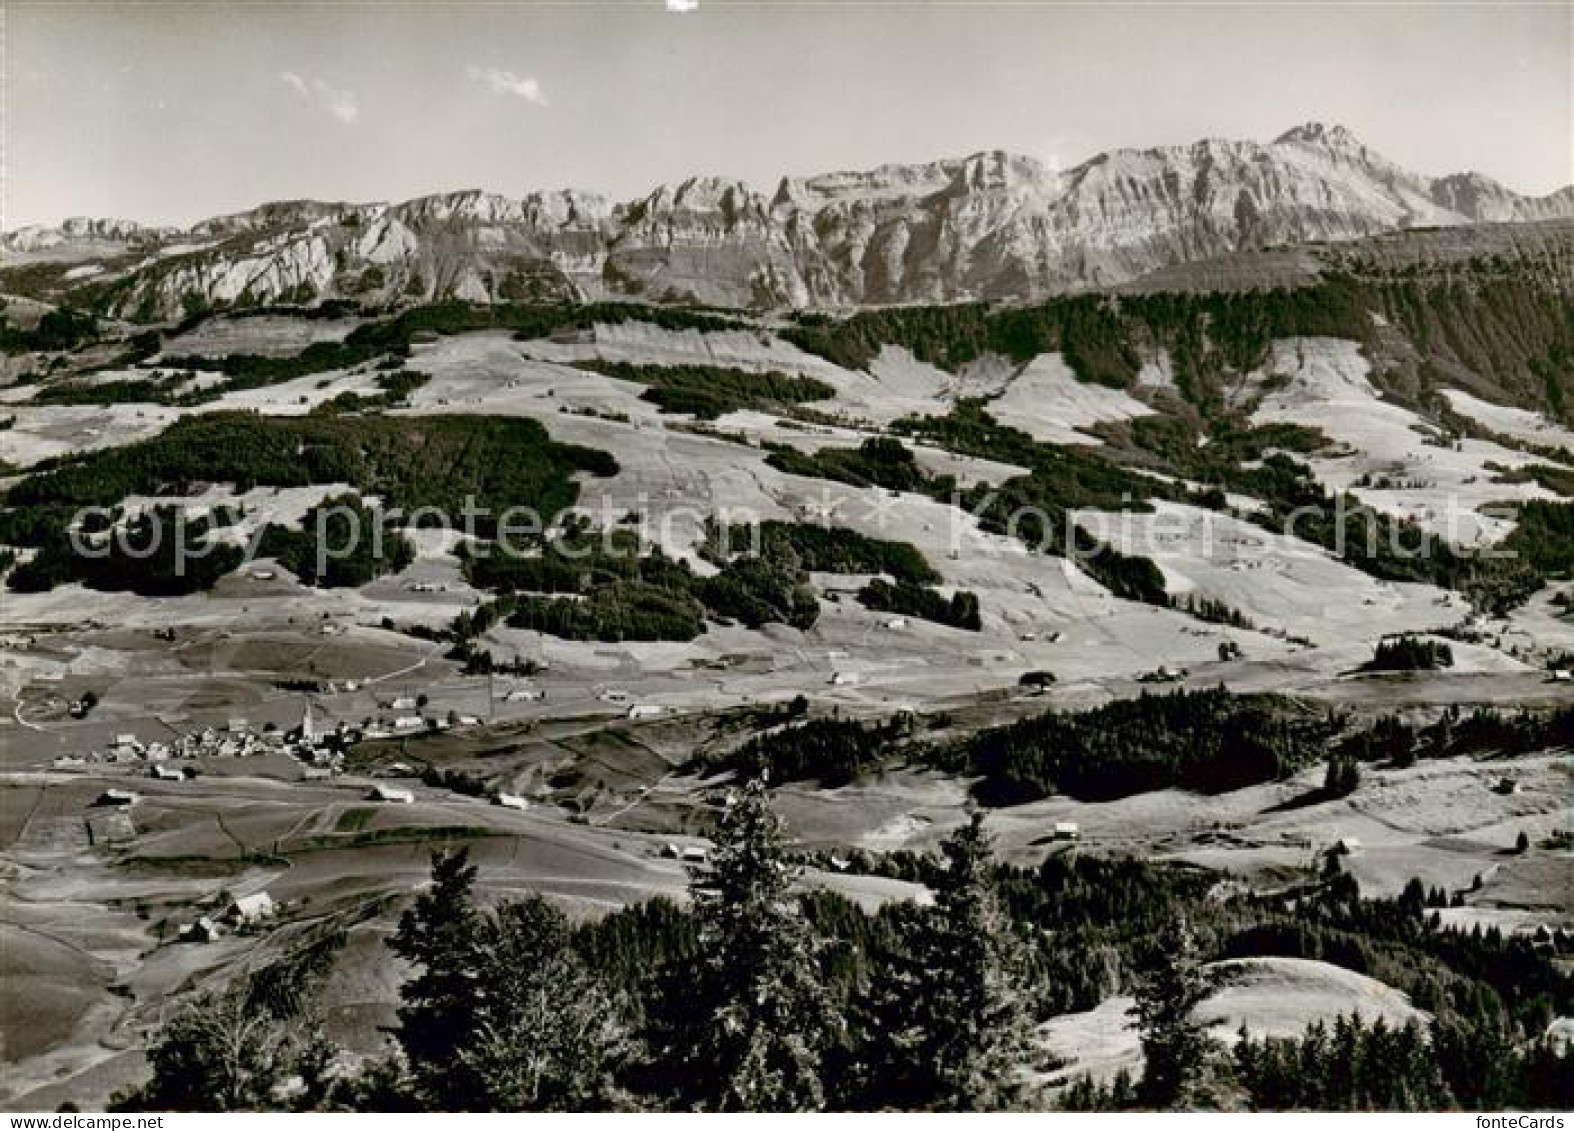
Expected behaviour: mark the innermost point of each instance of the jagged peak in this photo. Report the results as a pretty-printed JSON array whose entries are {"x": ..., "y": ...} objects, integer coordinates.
[
  {"x": 271, "y": 214},
  {"x": 997, "y": 167},
  {"x": 701, "y": 194},
  {"x": 1326, "y": 134}
]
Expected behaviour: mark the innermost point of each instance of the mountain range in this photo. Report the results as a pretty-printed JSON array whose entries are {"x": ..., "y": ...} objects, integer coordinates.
[{"x": 993, "y": 225}]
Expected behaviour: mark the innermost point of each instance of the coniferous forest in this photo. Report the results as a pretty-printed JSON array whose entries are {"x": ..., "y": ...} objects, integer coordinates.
[{"x": 764, "y": 993}]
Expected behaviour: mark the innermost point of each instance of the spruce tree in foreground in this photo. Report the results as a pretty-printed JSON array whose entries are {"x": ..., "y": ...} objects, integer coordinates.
[
  {"x": 504, "y": 1015},
  {"x": 545, "y": 1034},
  {"x": 1176, "y": 1046},
  {"x": 441, "y": 934},
  {"x": 946, "y": 1021},
  {"x": 242, "y": 1049},
  {"x": 748, "y": 1030},
  {"x": 978, "y": 985}
]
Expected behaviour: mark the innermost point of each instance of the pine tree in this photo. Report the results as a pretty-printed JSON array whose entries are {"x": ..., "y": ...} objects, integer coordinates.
[
  {"x": 504, "y": 1015},
  {"x": 442, "y": 934},
  {"x": 1176, "y": 1046},
  {"x": 893, "y": 1018},
  {"x": 242, "y": 1049},
  {"x": 545, "y": 1032},
  {"x": 1343, "y": 776},
  {"x": 976, "y": 998},
  {"x": 758, "y": 1021}
]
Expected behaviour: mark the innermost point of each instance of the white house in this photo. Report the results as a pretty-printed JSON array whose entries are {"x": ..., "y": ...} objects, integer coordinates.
[
  {"x": 408, "y": 722},
  {"x": 250, "y": 908},
  {"x": 844, "y": 679},
  {"x": 525, "y": 695},
  {"x": 646, "y": 710},
  {"x": 391, "y": 793},
  {"x": 403, "y": 703},
  {"x": 692, "y": 854},
  {"x": 165, "y": 772},
  {"x": 1067, "y": 830},
  {"x": 510, "y": 801}
]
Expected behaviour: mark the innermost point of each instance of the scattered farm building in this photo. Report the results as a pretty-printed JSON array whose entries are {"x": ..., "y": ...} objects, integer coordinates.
[
  {"x": 251, "y": 908},
  {"x": 391, "y": 793}
]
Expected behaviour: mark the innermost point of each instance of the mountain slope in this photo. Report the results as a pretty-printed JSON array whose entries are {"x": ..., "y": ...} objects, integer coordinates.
[{"x": 993, "y": 225}]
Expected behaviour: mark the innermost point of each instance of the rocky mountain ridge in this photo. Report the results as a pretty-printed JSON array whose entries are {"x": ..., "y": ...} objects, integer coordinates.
[{"x": 993, "y": 225}]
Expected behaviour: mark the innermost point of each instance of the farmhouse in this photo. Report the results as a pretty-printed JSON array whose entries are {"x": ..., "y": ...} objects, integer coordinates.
[
  {"x": 1067, "y": 830},
  {"x": 688, "y": 853},
  {"x": 250, "y": 908},
  {"x": 391, "y": 793},
  {"x": 646, "y": 710},
  {"x": 164, "y": 772},
  {"x": 408, "y": 722},
  {"x": 510, "y": 801}
]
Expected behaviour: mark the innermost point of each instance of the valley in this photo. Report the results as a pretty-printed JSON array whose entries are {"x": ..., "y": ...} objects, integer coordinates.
[{"x": 924, "y": 530}]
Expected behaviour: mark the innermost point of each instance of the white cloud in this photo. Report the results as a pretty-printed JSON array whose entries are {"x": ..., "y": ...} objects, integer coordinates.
[
  {"x": 682, "y": 5},
  {"x": 341, "y": 104},
  {"x": 507, "y": 82}
]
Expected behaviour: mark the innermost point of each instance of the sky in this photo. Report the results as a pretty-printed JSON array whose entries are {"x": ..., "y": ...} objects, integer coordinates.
[{"x": 168, "y": 113}]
